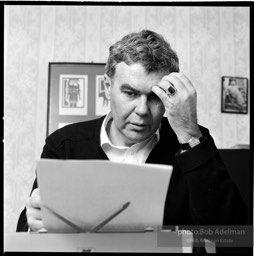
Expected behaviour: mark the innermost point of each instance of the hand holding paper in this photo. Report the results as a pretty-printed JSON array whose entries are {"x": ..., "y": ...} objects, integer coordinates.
[
  {"x": 89, "y": 191},
  {"x": 33, "y": 211}
]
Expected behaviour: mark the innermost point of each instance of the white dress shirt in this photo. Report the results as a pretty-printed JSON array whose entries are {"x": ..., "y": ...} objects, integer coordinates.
[{"x": 137, "y": 153}]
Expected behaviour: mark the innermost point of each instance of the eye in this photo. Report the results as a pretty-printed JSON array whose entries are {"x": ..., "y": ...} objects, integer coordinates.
[{"x": 130, "y": 93}]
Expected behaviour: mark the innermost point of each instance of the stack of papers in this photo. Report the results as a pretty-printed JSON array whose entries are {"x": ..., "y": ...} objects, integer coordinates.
[{"x": 86, "y": 192}]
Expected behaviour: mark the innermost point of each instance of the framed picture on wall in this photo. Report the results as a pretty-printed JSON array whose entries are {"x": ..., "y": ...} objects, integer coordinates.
[
  {"x": 73, "y": 94},
  {"x": 234, "y": 95},
  {"x": 76, "y": 93}
]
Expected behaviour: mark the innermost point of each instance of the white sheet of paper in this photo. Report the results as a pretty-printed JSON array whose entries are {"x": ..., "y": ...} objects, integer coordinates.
[{"x": 88, "y": 191}]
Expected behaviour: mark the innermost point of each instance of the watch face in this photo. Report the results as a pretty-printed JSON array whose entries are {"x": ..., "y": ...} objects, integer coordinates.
[
  {"x": 194, "y": 142},
  {"x": 191, "y": 143}
]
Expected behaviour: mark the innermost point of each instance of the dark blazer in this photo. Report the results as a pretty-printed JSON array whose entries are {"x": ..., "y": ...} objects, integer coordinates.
[{"x": 200, "y": 190}]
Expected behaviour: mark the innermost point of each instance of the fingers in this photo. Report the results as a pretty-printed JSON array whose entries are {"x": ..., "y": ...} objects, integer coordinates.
[
  {"x": 35, "y": 199},
  {"x": 169, "y": 80},
  {"x": 182, "y": 89},
  {"x": 161, "y": 93},
  {"x": 33, "y": 211},
  {"x": 35, "y": 225},
  {"x": 34, "y": 218},
  {"x": 181, "y": 83},
  {"x": 184, "y": 80}
]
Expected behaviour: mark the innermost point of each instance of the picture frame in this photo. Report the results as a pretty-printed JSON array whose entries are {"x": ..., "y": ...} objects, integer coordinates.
[
  {"x": 76, "y": 93},
  {"x": 234, "y": 95}
]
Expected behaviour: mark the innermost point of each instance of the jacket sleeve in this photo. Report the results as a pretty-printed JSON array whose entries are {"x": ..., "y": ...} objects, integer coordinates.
[{"x": 214, "y": 198}]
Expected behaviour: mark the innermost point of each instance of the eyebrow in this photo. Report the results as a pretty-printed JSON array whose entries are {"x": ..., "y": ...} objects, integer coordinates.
[{"x": 129, "y": 87}]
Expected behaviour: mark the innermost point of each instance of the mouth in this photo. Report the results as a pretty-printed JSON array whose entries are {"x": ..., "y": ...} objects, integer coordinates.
[{"x": 139, "y": 126}]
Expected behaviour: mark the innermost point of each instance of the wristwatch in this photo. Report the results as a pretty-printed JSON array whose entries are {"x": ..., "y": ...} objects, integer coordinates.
[{"x": 191, "y": 143}]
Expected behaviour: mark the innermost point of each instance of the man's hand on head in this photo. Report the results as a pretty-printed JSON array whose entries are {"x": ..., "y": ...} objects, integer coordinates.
[{"x": 180, "y": 101}]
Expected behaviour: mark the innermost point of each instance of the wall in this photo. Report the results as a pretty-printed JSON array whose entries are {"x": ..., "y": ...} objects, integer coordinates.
[{"x": 210, "y": 41}]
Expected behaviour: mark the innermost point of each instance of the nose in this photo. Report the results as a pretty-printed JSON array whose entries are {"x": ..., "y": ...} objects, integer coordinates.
[{"x": 142, "y": 107}]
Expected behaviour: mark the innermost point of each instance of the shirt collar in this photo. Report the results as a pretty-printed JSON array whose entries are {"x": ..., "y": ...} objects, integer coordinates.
[{"x": 106, "y": 140}]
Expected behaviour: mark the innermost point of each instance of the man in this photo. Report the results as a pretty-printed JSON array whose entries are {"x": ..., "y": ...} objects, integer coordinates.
[
  {"x": 234, "y": 97},
  {"x": 143, "y": 82}
]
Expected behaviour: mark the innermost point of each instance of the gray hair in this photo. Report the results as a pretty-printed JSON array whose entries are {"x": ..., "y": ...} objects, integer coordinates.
[{"x": 146, "y": 47}]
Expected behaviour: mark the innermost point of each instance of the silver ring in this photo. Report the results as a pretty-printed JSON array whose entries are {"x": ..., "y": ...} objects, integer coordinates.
[{"x": 171, "y": 90}]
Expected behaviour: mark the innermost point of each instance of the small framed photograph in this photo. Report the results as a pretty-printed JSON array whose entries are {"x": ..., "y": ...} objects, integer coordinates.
[
  {"x": 72, "y": 93},
  {"x": 234, "y": 96}
]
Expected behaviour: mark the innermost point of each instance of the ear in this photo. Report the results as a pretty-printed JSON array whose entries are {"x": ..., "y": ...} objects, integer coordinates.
[{"x": 107, "y": 83}]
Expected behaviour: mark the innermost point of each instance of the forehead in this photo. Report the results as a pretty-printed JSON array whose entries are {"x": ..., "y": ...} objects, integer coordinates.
[{"x": 136, "y": 76}]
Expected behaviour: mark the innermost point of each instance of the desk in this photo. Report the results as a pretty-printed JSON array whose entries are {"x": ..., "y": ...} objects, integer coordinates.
[{"x": 96, "y": 242}]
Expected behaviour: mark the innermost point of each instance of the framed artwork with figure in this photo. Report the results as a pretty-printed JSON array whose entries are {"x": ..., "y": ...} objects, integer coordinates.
[
  {"x": 234, "y": 95},
  {"x": 76, "y": 93}
]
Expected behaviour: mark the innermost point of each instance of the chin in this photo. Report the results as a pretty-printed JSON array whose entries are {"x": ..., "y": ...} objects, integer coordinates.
[{"x": 138, "y": 139}]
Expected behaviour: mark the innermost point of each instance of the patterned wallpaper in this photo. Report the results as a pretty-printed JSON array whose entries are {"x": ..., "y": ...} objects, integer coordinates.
[{"x": 211, "y": 42}]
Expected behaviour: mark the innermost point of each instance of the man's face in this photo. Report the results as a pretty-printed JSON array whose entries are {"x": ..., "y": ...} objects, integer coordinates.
[
  {"x": 232, "y": 83},
  {"x": 136, "y": 110}
]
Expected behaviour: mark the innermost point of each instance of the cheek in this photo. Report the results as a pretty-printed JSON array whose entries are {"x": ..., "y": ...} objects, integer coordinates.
[{"x": 119, "y": 110}]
